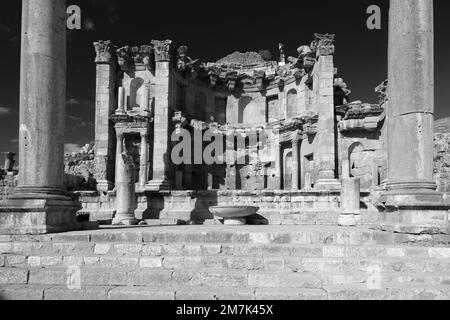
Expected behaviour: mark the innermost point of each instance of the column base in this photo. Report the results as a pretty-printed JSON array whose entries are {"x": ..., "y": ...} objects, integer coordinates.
[
  {"x": 235, "y": 222},
  {"x": 39, "y": 213},
  {"x": 349, "y": 219},
  {"x": 327, "y": 185},
  {"x": 420, "y": 212},
  {"x": 104, "y": 185},
  {"x": 158, "y": 185},
  {"x": 125, "y": 220}
]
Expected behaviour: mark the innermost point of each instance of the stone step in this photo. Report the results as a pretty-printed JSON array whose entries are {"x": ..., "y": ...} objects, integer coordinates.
[
  {"x": 352, "y": 292},
  {"x": 218, "y": 278},
  {"x": 250, "y": 235},
  {"x": 233, "y": 262},
  {"x": 59, "y": 249}
]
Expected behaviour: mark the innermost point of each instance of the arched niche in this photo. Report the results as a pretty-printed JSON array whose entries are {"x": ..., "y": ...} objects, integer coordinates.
[
  {"x": 136, "y": 92},
  {"x": 291, "y": 104},
  {"x": 287, "y": 170},
  {"x": 243, "y": 112},
  {"x": 361, "y": 163}
]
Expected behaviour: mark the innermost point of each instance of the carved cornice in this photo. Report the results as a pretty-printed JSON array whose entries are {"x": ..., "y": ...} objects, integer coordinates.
[
  {"x": 124, "y": 58},
  {"x": 381, "y": 90},
  {"x": 341, "y": 92},
  {"x": 179, "y": 120},
  {"x": 105, "y": 52},
  {"x": 185, "y": 64},
  {"x": 163, "y": 50}
]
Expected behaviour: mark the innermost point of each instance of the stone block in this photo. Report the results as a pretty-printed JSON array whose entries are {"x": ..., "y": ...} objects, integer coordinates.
[
  {"x": 34, "y": 261},
  {"x": 48, "y": 277},
  {"x": 126, "y": 262},
  {"x": 128, "y": 249},
  {"x": 122, "y": 237},
  {"x": 86, "y": 293},
  {"x": 192, "y": 295},
  {"x": 102, "y": 249},
  {"x": 274, "y": 263},
  {"x": 439, "y": 253},
  {"x": 264, "y": 280},
  {"x": 150, "y": 262},
  {"x": 224, "y": 280},
  {"x": 291, "y": 294},
  {"x": 211, "y": 249},
  {"x": 91, "y": 261},
  {"x": 245, "y": 263},
  {"x": 135, "y": 294},
  {"x": 22, "y": 247},
  {"x": 333, "y": 252},
  {"x": 6, "y": 248},
  {"x": 13, "y": 276},
  {"x": 145, "y": 278},
  {"x": 151, "y": 250},
  {"x": 71, "y": 261},
  {"x": 22, "y": 293},
  {"x": 104, "y": 277},
  {"x": 188, "y": 279},
  {"x": 12, "y": 260},
  {"x": 51, "y": 261}
]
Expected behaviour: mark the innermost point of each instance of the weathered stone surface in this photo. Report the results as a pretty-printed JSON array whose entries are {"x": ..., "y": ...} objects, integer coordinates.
[
  {"x": 86, "y": 293},
  {"x": 22, "y": 292},
  {"x": 131, "y": 293},
  {"x": 13, "y": 276}
]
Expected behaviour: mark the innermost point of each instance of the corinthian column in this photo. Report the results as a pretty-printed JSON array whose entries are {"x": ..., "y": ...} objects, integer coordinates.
[
  {"x": 40, "y": 204},
  {"x": 295, "y": 162},
  {"x": 323, "y": 76},
  {"x": 143, "y": 178},
  {"x": 161, "y": 151},
  {"x": 412, "y": 204}
]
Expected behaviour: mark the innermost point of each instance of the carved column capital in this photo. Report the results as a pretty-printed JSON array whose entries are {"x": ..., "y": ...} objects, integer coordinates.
[
  {"x": 163, "y": 50},
  {"x": 323, "y": 44},
  {"x": 105, "y": 52}
]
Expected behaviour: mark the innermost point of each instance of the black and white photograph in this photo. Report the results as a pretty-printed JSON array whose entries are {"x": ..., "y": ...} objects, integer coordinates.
[{"x": 236, "y": 152}]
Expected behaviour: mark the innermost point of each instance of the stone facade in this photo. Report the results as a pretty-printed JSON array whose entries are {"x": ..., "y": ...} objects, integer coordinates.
[{"x": 289, "y": 126}]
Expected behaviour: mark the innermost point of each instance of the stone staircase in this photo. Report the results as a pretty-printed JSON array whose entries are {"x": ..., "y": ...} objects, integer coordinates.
[{"x": 225, "y": 263}]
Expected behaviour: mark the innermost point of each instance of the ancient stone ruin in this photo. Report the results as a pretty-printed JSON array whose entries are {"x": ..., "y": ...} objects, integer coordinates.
[{"x": 345, "y": 193}]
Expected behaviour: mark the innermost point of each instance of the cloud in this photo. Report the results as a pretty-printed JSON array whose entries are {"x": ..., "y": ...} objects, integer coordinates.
[
  {"x": 73, "y": 102},
  {"x": 4, "y": 111},
  {"x": 70, "y": 148},
  {"x": 89, "y": 24},
  {"x": 80, "y": 123}
]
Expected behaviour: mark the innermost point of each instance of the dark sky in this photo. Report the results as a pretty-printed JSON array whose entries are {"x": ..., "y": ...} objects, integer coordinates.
[{"x": 212, "y": 29}]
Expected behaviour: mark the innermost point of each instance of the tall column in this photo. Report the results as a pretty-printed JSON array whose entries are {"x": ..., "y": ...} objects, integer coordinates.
[
  {"x": 125, "y": 186},
  {"x": 412, "y": 204},
  {"x": 143, "y": 176},
  {"x": 295, "y": 162},
  {"x": 161, "y": 153},
  {"x": 277, "y": 153},
  {"x": 106, "y": 103},
  {"x": 121, "y": 101},
  {"x": 40, "y": 203},
  {"x": 323, "y": 78}
]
